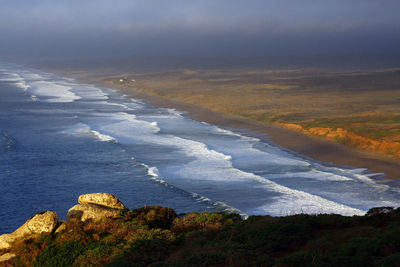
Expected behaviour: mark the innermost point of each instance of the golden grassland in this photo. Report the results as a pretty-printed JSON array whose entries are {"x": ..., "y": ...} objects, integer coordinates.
[{"x": 360, "y": 108}]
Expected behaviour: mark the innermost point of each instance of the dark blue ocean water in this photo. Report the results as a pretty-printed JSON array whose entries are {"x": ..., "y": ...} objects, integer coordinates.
[{"x": 60, "y": 139}]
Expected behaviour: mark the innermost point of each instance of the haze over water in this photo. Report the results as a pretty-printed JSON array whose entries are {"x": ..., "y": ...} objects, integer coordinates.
[{"x": 60, "y": 139}]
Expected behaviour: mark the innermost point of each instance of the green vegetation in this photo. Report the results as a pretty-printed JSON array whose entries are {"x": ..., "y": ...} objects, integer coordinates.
[{"x": 156, "y": 236}]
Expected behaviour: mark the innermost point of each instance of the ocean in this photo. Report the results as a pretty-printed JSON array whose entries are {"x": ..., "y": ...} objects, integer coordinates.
[{"x": 60, "y": 138}]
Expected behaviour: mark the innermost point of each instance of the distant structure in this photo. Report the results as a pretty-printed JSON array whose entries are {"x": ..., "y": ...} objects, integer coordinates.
[{"x": 125, "y": 79}]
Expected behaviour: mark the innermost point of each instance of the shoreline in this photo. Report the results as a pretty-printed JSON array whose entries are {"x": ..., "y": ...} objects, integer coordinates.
[{"x": 318, "y": 149}]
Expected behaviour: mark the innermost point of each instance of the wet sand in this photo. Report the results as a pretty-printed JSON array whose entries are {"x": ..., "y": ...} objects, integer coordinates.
[{"x": 312, "y": 147}]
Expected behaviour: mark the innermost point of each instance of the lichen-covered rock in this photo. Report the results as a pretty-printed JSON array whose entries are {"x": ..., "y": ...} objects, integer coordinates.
[
  {"x": 93, "y": 212},
  {"x": 43, "y": 222},
  {"x": 104, "y": 199}
]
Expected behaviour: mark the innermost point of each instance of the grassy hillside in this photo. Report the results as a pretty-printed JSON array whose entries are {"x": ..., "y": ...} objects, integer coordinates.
[{"x": 156, "y": 236}]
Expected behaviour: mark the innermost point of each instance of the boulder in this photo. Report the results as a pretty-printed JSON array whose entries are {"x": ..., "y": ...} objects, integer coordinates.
[
  {"x": 93, "y": 212},
  {"x": 103, "y": 199},
  {"x": 43, "y": 222}
]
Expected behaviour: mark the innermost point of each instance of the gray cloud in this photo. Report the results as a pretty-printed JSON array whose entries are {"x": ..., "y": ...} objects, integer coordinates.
[{"x": 226, "y": 27}]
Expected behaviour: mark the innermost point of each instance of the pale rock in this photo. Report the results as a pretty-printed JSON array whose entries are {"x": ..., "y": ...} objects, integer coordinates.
[
  {"x": 43, "y": 222},
  {"x": 6, "y": 240},
  {"x": 6, "y": 257},
  {"x": 104, "y": 199},
  {"x": 93, "y": 212}
]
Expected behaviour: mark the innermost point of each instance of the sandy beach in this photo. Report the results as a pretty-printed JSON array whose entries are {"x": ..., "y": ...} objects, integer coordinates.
[{"x": 313, "y": 147}]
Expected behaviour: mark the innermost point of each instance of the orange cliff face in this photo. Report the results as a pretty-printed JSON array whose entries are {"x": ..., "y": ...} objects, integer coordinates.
[{"x": 391, "y": 148}]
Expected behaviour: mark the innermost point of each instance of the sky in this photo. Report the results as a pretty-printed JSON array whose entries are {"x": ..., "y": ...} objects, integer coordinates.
[{"x": 234, "y": 28}]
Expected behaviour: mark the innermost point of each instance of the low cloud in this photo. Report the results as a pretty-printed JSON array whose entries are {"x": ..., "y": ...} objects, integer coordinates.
[{"x": 121, "y": 27}]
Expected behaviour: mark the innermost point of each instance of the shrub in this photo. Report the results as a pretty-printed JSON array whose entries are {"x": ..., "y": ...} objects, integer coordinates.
[
  {"x": 153, "y": 216},
  {"x": 60, "y": 256},
  {"x": 379, "y": 211},
  {"x": 201, "y": 221},
  {"x": 98, "y": 253}
]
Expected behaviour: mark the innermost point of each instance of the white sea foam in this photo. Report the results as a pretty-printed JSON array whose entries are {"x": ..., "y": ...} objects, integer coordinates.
[
  {"x": 15, "y": 78},
  {"x": 125, "y": 127},
  {"x": 220, "y": 206},
  {"x": 137, "y": 101},
  {"x": 153, "y": 171},
  {"x": 246, "y": 154},
  {"x": 175, "y": 112},
  {"x": 243, "y": 148},
  {"x": 357, "y": 170},
  {"x": 227, "y": 132},
  {"x": 155, "y": 175},
  {"x": 10, "y": 79},
  {"x": 365, "y": 178},
  {"x": 103, "y": 137},
  {"x": 318, "y": 172},
  {"x": 30, "y": 76},
  {"x": 55, "y": 92},
  {"x": 301, "y": 201},
  {"x": 312, "y": 174},
  {"x": 84, "y": 130},
  {"x": 356, "y": 174},
  {"x": 24, "y": 86},
  {"x": 210, "y": 165},
  {"x": 59, "y": 90},
  {"x": 87, "y": 92}
]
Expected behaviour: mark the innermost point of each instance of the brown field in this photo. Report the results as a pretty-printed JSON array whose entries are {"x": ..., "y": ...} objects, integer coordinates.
[{"x": 360, "y": 108}]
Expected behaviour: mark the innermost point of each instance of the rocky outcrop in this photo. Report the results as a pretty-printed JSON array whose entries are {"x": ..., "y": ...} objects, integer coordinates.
[
  {"x": 96, "y": 207},
  {"x": 43, "y": 222},
  {"x": 6, "y": 257},
  {"x": 103, "y": 199},
  {"x": 93, "y": 212}
]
